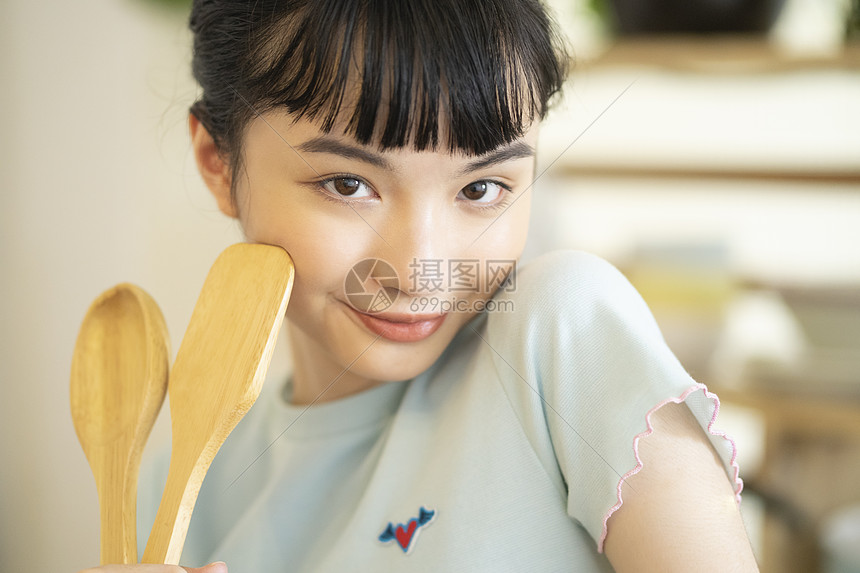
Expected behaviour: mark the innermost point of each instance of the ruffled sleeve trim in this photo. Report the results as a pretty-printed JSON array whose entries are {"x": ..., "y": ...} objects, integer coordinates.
[{"x": 733, "y": 462}]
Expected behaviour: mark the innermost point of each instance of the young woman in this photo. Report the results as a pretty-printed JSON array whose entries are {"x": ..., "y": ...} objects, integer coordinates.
[{"x": 451, "y": 421}]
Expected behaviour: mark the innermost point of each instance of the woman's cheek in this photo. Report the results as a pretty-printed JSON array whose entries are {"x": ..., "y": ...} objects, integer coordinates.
[
  {"x": 505, "y": 239},
  {"x": 323, "y": 249}
]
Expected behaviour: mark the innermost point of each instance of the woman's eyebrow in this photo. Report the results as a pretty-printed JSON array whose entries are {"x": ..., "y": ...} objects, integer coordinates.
[
  {"x": 326, "y": 144},
  {"x": 515, "y": 150}
]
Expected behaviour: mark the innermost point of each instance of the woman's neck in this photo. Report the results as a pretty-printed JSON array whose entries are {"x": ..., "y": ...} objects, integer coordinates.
[{"x": 316, "y": 376}]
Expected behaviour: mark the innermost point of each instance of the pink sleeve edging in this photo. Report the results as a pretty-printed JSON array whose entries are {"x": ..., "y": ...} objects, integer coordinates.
[{"x": 739, "y": 484}]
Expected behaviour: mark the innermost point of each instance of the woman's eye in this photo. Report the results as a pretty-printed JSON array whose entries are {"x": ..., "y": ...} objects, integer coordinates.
[
  {"x": 347, "y": 187},
  {"x": 482, "y": 191}
]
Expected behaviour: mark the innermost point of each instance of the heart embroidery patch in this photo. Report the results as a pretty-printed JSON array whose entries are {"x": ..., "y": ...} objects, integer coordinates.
[{"x": 405, "y": 535}]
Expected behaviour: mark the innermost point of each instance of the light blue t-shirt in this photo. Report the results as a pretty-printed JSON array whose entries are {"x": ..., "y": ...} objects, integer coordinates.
[{"x": 505, "y": 455}]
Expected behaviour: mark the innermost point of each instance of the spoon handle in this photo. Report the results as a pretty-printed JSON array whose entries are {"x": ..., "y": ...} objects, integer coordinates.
[{"x": 118, "y": 511}]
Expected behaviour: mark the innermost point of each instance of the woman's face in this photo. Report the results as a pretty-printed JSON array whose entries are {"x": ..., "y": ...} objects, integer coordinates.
[{"x": 445, "y": 223}]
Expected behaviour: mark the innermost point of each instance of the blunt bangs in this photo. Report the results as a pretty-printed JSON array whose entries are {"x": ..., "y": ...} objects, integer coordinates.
[{"x": 400, "y": 73}]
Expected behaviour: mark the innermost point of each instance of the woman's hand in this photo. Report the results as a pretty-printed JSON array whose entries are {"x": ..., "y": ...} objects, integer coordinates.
[{"x": 218, "y": 567}]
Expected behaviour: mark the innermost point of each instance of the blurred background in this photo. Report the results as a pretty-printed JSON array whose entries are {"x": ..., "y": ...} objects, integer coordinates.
[{"x": 708, "y": 148}]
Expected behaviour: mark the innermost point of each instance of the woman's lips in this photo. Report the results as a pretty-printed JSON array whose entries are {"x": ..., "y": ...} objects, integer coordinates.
[{"x": 401, "y": 327}]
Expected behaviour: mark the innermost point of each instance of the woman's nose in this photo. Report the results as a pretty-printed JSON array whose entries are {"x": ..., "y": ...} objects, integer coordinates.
[{"x": 419, "y": 247}]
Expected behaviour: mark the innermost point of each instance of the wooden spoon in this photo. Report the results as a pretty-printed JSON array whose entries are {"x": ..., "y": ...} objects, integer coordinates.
[
  {"x": 217, "y": 376},
  {"x": 118, "y": 382}
]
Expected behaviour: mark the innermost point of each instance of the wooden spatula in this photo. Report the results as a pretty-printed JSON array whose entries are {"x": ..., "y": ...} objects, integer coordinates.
[
  {"x": 217, "y": 376},
  {"x": 118, "y": 382}
]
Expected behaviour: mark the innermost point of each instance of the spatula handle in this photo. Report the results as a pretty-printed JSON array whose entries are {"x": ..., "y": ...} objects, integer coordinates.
[{"x": 167, "y": 536}]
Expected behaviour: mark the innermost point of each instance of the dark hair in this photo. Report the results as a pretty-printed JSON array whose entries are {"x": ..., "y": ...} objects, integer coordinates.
[{"x": 487, "y": 68}]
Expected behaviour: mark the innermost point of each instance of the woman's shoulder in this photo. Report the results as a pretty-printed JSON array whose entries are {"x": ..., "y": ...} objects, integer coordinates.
[
  {"x": 562, "y": 266},
  {"x": 584, "y": 365},
  {"x": 571, "y": 290}
]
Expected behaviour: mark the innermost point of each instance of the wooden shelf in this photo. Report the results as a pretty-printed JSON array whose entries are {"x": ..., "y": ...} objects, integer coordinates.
[
  {"x": 842, "y": 179},
  {"x": 719, "y": 54},
  {"x": 709, "y": 108},
  {"x": 811, "y": 468},
  {"x": 806, "y": 414}
]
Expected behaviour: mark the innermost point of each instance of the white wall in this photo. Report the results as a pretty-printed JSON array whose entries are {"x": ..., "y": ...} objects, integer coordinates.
[{"x": 98, "y": 188}]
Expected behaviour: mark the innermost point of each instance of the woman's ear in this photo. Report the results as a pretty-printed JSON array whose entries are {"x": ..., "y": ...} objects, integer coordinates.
[{"x": 214, "y": 170}]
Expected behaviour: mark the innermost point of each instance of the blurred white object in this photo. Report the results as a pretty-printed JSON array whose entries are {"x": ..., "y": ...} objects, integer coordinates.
[
  {"x": 840, "y": 541},
  {"x": 812, "y": 27},
  {"x": 586, "y": 34},
  {"x": 759, "y": 330}
]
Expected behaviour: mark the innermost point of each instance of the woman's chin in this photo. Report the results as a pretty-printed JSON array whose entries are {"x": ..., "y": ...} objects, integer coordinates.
[
  {"x": 391, "y": 357},
  {"x": 393, "y": 362}
]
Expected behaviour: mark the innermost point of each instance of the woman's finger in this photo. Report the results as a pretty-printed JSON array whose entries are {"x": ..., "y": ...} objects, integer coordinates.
[{"x": 217, "y": 567}]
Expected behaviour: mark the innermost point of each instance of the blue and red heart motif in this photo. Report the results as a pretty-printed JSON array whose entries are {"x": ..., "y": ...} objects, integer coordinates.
[{"x": 405, "y": 535}]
